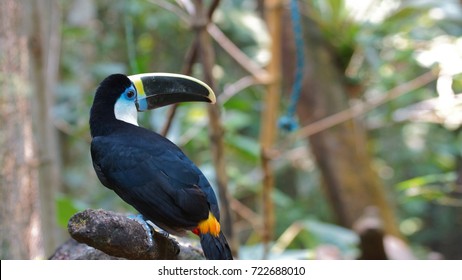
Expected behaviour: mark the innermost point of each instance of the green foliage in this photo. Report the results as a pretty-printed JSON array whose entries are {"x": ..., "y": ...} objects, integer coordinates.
[
  {"x": 308, "y": 235},
  {"x": 338, "y": 27},
  {"x": 66, "y": 207},
  {"x": 318, "y": 233},
  {"x": 435, "y": 188}
]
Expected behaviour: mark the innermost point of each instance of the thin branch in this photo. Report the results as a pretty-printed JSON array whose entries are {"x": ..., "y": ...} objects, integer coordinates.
[
  {"x": 191, "y": 57},
  {"x": 168, "y": 122},
  {"x": 228, "y": 92},
  {"x": 212, "y": 9},
  {"x": 216, "y": 130},
  {"x": 187, "y": 5},
  {"x": 247, "y": 214},
  {"x": 363, "y": 108},
  {"x": 130, "y": 42},
  {"x": 260, "y": 74},
  {"x": 273, "y": 9},
  {"x": 231, "y": 90},
  {"x": 172, "y": 8},
  {"x": 287, "y": 237}
]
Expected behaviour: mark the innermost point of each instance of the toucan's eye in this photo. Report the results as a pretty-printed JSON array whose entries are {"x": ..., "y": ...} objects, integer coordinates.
[{"x": 130, "y": 94}]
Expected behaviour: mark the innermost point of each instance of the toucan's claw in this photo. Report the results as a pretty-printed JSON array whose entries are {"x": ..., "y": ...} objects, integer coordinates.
[
  {"x": 158, "y": 229},
  {"x": 140, "y": 219}
]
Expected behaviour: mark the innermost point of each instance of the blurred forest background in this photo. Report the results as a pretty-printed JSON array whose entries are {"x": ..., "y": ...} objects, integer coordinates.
[{"x": 331, "y": 130}]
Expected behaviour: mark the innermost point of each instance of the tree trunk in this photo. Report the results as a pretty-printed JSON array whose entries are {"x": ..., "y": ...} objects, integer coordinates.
[
  {"x": 44, "y": 47},
  {"x": 341, "y": 151},
  {"x": 20, "y": 234}
]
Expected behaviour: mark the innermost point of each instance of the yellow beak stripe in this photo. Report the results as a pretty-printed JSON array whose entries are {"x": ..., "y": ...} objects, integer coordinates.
[
  {"x": 139, "y": 86},
  {"x": 211, "y": 225}
]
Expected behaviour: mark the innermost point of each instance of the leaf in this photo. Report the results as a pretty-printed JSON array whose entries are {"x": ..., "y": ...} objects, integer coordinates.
[
  {"x": 312, "y": 233},
  {"x": 66, "y": 208},
  {"x": 434, "y": 187},
  {"x": 243, "y": 146},
  {"x": 427, "y": 180},
  {"x": 339, "y": 236}
]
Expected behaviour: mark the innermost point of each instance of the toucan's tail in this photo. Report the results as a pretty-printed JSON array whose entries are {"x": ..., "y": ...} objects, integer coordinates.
[{"x": 215, "y": 248}]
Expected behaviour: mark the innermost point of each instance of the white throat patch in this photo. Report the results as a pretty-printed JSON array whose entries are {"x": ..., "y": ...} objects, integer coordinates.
[{"x": 125, "y": 110}]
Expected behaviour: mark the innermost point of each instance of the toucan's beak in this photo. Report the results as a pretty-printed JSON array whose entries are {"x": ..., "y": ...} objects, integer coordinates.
[{"x": 155, "y": 90}]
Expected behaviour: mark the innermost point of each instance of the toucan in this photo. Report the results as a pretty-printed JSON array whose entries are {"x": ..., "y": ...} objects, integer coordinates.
[{"x": 147, "y": 170}]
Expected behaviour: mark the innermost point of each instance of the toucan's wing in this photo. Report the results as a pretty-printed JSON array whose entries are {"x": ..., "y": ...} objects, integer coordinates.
[
  {"x": 155, "y": 177},
  {"x": 185, "y": 172}
]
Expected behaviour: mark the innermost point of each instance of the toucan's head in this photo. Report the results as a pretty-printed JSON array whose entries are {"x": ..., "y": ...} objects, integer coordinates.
[{"x": 120, "y": 97}]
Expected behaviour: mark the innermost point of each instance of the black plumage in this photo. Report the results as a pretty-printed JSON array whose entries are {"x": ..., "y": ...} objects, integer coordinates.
[{"x": 149, "y": 172}]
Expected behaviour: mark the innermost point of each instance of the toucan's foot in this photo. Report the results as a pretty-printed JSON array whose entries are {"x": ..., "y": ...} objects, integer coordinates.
[
  {"x": 164, "y": 234},
  {"x": 140, "y": 219},
  {"x": 158, "y": 229}
]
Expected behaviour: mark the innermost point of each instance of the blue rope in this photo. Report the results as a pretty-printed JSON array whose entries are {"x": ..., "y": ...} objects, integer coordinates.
[{"x": 288, "y": 121}]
